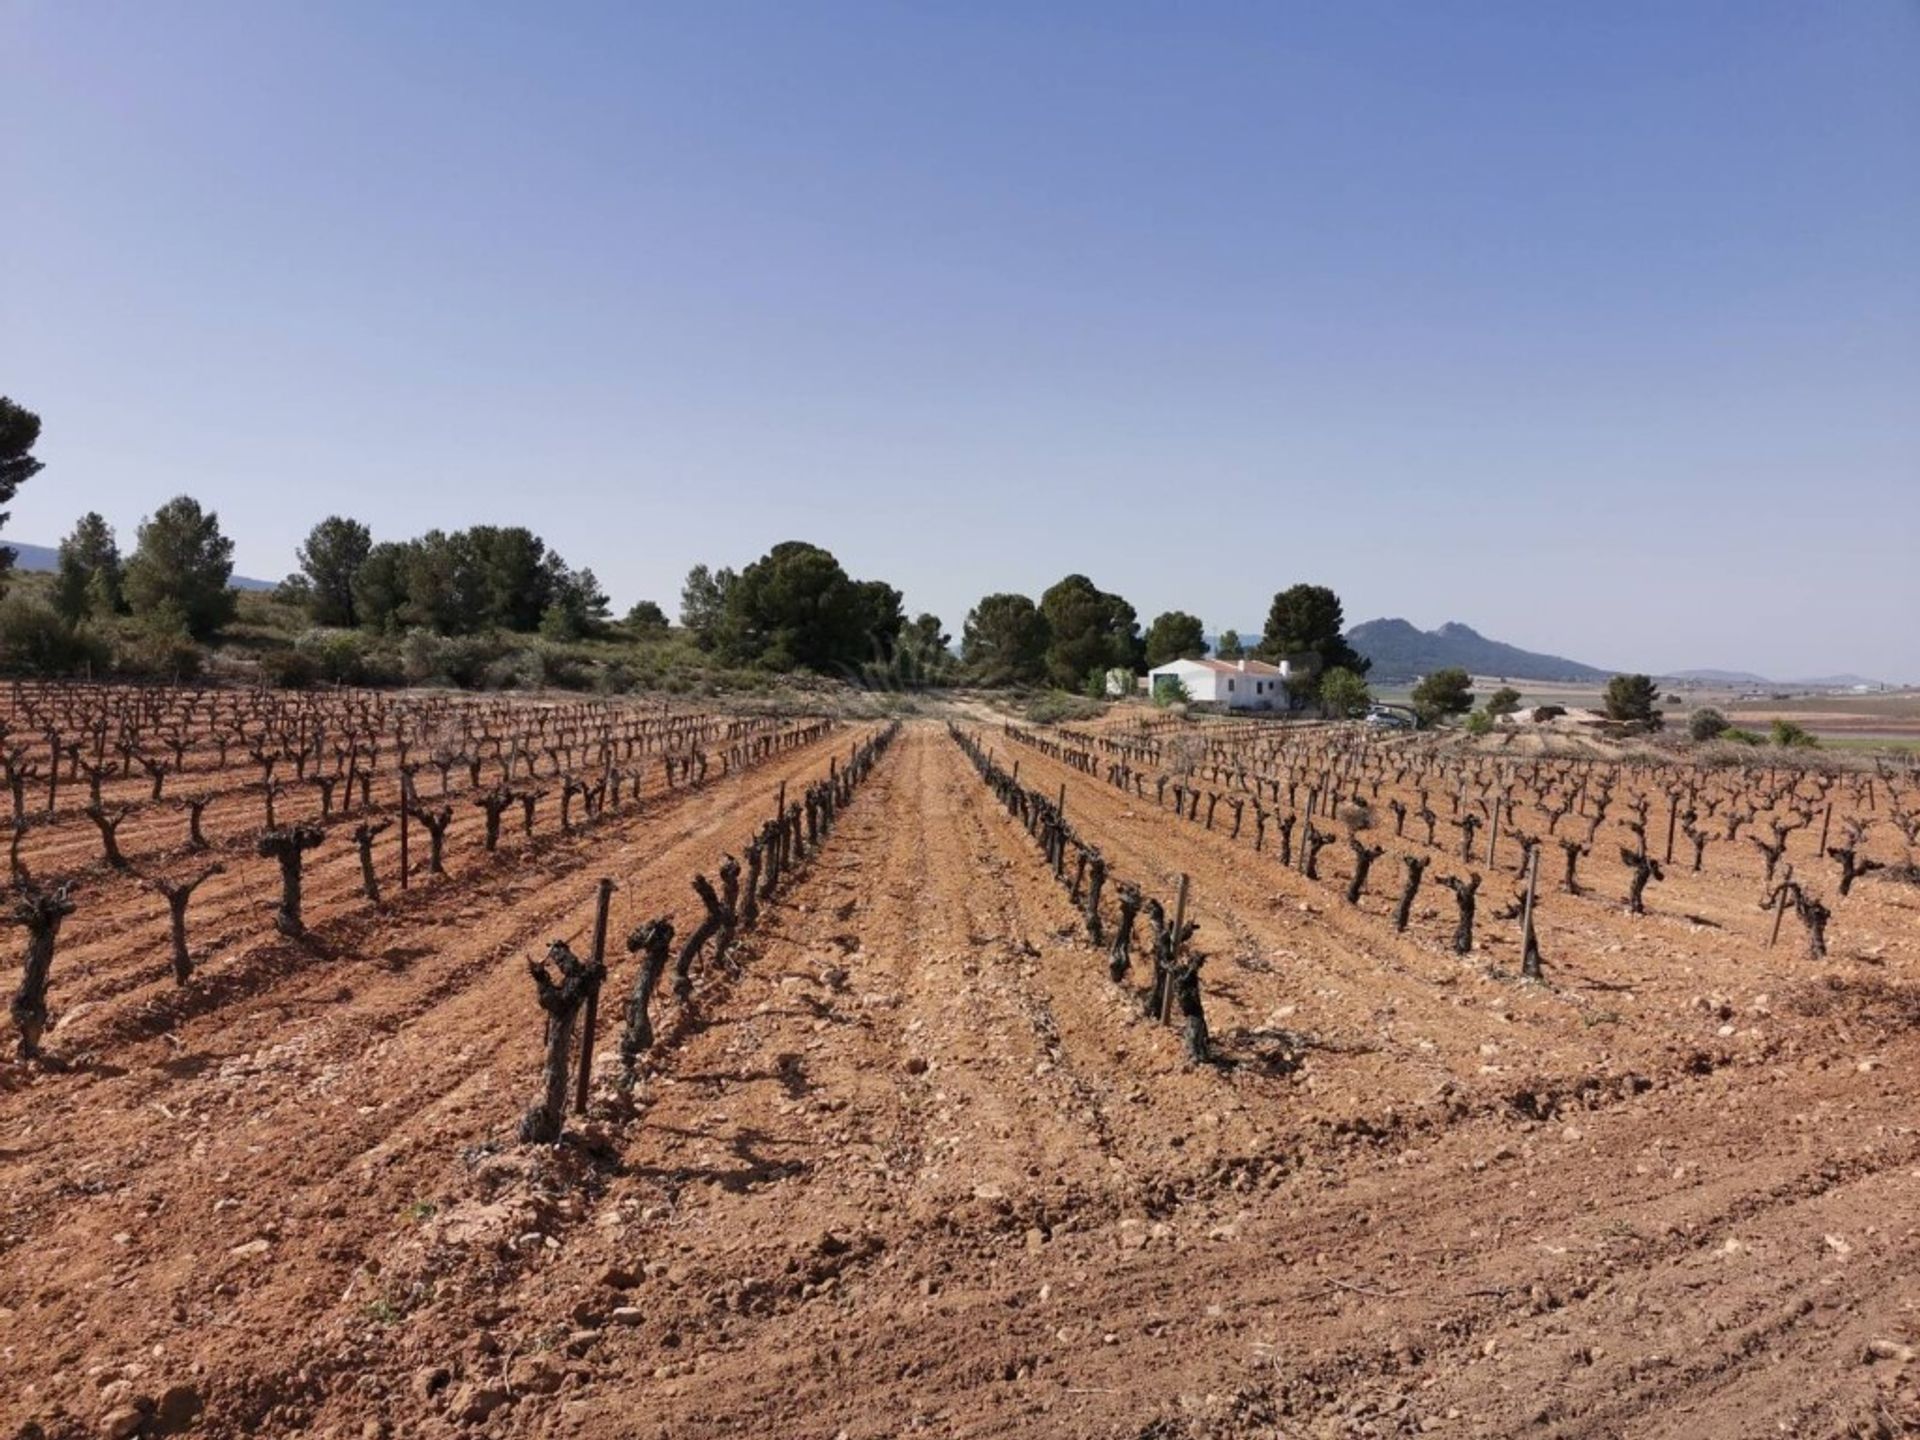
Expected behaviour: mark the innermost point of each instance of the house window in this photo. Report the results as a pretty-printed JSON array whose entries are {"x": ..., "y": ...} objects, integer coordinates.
[{"x": 1229, "y": 687}]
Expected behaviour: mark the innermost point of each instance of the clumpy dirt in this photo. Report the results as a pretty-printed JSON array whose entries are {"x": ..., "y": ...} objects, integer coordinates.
[{"x": 913, "y": 1165}]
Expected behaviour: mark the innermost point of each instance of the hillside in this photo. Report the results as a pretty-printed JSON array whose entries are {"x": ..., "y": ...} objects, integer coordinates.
[
  {"x": 1844, "y": 681},
  {"x": 1401, "y": 651},
  {"x": 1719, "y": 677}
]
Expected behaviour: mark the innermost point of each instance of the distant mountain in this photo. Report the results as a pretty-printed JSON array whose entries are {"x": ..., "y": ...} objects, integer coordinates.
[
  {"x": 1747, "y": 677},
  {"x": 1718, "y": 677},
  {"x": 46, "y": 558},
  {"x": 34, "y": 557},
  {"x": 1400, "y": 651}
]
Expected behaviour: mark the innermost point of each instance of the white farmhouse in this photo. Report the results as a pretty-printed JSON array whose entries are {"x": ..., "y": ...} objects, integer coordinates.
[{"x": 1230, "y": 684}]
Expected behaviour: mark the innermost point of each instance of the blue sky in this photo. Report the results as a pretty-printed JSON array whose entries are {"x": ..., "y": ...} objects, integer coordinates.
[{"x": 1594, "y": 326}]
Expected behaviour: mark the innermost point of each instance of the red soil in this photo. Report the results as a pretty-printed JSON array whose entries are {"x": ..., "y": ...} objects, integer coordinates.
[{"x": 920, "y": 1168}]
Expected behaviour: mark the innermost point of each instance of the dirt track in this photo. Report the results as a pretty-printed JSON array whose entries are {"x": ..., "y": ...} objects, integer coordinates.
[{"x": 919, "y": 1168}]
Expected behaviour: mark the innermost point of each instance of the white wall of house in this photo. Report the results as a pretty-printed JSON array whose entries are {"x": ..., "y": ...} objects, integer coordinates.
[
  {"x": 1232, "y": 689},
  {"x": 1252, "y": 691},
  {"x": 1200, "y": 680}
]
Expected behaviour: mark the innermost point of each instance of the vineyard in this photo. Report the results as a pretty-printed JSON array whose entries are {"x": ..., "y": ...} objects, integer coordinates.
[{"x": 389, "y": 1064}]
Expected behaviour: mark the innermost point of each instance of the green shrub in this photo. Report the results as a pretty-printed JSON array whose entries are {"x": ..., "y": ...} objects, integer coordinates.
[
  {"x": 1343, "y": 694},
  {"x": 1058, "y": 707},
  {"x": 614, "y": 679},
  {"x": 1479, "y": 723},
  {"x": 1790, "y": 736},
  {"x": 1504, "y": 701},
  {"x": 1630, "y": 698},
  {"x": 465, "y": 661},
  {"x": 288, "y": 669},
  {"x": 646, "y": 618},
  {"x": 339, "y": 657},
  {"x": 1443, "y": 693},
  {"x": 1734, "y": 735},
  {"x": 515, "y": 670},
  {"x": 419, "y": 656},
  {"x": 561, "y": 671},
  {"x": 156, "y": 653},
  {"x": 35, "y": 640},
  {"x": 1704, "y": 725},
  {"x": 559, "y": 622}
]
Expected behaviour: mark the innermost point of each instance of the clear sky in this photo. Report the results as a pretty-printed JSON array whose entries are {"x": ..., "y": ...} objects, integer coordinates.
[{"x": 1596, "y": 326}]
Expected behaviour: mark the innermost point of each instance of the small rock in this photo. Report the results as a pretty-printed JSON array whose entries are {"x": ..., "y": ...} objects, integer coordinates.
[
  {"x": 618, "y": 1277},
  {"x": 628, "y": 1315},
  {"x": 474, "y": 1404},
  {"x": 250, "y": 1249},
  {"x": 1887, "y": 1350},
  {"x": 536, "y": 1374},
  {"x": 916, "y": 1065},
  {"x": 120, "y": 1423}
]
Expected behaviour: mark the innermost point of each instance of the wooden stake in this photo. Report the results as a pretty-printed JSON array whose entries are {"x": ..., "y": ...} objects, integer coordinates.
[
  {"x": 403, "y": 842},
  {"x": 1826, "y": 821},
  {"x": 1179, "y": 925},
  {"x": 1526, "y": 911},
  {"x": 601, "y": 902},
  {"x": 1780, "y": 910}
]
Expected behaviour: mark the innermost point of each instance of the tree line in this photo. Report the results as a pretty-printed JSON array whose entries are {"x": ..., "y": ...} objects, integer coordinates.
[
  {"x": 794, "y": 608},
  {"x": 459, "y": 582},
  {"x": 1077, "y": 632}
]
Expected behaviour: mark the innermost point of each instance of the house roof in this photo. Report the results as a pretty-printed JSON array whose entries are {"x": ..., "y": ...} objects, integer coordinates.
[{"x": 1229, "y": 667}]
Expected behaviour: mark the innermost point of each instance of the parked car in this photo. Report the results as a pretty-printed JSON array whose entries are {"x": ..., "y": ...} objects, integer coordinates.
[{"x": 1381, "y": 719}]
